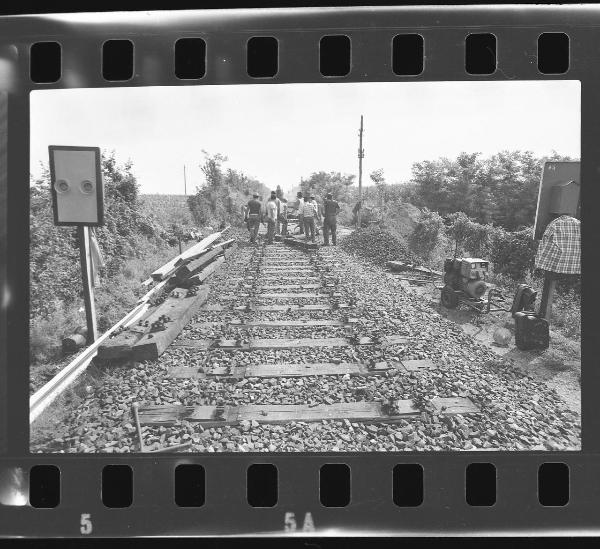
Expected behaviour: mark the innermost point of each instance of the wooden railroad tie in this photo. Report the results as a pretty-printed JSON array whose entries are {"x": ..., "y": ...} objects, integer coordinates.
[
  {"x": 273, "y": 308},
  {"x": 275, "y": 323},
  {"x": 272, "y": 295},
  {"x": 363, "y": 412},
  {"x": 276, "y": 343},
  {"x": 299, "y": 370},
  {"x": 149, "y": 338}
]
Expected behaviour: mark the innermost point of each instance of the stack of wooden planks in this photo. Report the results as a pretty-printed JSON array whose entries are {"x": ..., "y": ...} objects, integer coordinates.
[
  {"x": 400, "y": 266},
  {"x": 161, "y": 324}
]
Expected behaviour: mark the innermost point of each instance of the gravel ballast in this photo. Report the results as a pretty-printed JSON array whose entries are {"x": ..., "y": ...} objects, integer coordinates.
[{"x": 517, "y": 412}]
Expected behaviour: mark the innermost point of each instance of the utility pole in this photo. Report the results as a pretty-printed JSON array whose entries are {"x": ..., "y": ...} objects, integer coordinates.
[
  {"x": 184, "y": 181},
  {"x": 361, "y": 154},
  {"x": 83, "y": 232}
]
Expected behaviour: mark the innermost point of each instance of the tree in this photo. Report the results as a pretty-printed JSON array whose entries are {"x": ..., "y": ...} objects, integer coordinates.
[
  {"x": 377, "y": 178},
  {"x": 501, "y": 189},
  {"x": 321, "y": 183}
]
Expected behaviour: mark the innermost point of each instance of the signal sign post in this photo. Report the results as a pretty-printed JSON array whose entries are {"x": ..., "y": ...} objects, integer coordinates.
[
  {"x": 78, "y": 200},
  {"x": 559, "y": 194}
]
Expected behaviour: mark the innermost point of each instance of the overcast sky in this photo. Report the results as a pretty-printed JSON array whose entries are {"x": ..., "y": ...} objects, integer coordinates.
[{"x": 279, "y": 133}]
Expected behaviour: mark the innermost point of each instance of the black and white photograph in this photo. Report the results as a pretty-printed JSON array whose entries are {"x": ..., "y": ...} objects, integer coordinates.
[{"x": 327, "y": 267}]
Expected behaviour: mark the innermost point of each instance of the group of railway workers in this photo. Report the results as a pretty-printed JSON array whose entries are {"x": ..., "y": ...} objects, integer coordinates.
[{"x": 274, "y": 212}]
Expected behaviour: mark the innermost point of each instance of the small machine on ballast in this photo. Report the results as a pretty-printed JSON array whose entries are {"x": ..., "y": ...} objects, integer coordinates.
[{"x": 465, "y": 283}]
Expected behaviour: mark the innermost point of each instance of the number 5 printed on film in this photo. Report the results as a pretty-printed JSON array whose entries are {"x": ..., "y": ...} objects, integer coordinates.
[{"x": 86, "y": 523}]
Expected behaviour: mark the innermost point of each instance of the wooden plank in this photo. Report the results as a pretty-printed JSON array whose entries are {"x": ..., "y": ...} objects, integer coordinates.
[
  {"x": 185, "y": 372},
  {"x": 200, "y": 277},
  {"x": 272, "y": 308},
  {"x": 180, "y": 310},
  {"x": 354, "y": 411},
  {"x": 273, "y": 343},
  {"x": 418, "y": 365},
  {"x": 170, "y": 267},
  {"x": 192, "y": 267},
  {"x": 361, "y": 412},
  {"x": 287, "y": 370},
  {"x": 196, "y": 249},
  {"x": 270, "y": 323},
  {"x": 277, "y": 268},
  {"x": 400, "y": 266},
  {"x": 454, "y": 405},
  {"x": 287, "y": 295},
  {"x": 272, "y": 279},
  {"x": 303, "y": 370},
  {"x": 289, "y": 286},
  {"x": 394, "y": 340},
  {"x": 270, "y": 343},
  {"x": 121, "y": 346}
]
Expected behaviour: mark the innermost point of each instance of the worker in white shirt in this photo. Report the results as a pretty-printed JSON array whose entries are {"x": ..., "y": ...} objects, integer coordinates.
[
  {"x": 283, "y": 216},
  {"x": 309, "y": 213},
  {"x": 272, "y": 210},
  {"x": 299, "y": 205}
]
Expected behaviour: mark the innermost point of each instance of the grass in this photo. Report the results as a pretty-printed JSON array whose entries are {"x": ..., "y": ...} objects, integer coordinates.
[{"x": 113, "y": 299}]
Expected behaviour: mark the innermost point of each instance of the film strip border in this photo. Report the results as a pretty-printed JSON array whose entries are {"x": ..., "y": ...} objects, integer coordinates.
[
  {"x": 333, "y": 46},
  {"x": 454, "y": 494},
  {"x": 226, "y": 510}
]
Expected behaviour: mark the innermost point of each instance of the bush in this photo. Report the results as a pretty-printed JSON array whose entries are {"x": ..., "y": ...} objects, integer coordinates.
[{"x": 425, "y": 235}]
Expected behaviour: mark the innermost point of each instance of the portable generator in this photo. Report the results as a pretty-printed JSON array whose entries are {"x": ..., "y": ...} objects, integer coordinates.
[{"x": 464, "y": 279}]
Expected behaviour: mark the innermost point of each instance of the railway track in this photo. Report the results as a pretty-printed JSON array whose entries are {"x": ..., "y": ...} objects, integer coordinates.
[{"x": 300, "y": 350}]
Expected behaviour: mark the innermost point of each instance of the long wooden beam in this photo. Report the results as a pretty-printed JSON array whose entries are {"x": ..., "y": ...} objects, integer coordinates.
[
  {"x": 362, "y": 412},
  {"x": 284, "y": 343},
  {"x": 180, "y": 310},
  {"x": 286, "y": 370}
]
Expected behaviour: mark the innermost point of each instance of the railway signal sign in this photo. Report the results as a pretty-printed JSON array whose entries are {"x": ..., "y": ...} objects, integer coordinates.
[
  {"x": 76, "y": 185},
  {"x": 78, "y": 200},
  {"x": 559, "y": 193}
]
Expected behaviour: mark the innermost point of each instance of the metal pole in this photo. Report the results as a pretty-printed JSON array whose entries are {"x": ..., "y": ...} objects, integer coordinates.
[
  {"x": 361, "y": 154},
  {"x": 83, "y": 232},
  {"x": 545, "y": 310},
  {"x": 184, "y": 181}
]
